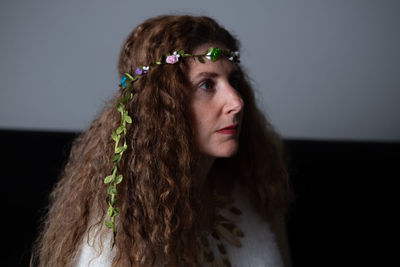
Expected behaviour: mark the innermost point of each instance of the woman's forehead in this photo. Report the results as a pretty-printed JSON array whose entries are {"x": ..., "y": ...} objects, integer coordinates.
[{"x": 221, "y": 67}]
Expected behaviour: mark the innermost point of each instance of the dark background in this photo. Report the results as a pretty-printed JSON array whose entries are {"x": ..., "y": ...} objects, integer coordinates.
[{"x": 344, "y": 212}]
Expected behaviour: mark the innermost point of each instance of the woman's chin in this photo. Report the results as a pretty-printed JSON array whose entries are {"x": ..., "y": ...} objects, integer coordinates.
[{"x": 227, "y": 152}]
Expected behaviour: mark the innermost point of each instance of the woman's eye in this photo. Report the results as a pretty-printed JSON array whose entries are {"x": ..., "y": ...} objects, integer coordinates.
[{"x": 206, "y": 85}]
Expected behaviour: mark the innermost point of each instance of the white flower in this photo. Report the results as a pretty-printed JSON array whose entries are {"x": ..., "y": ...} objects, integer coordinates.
[
  {"x": 208, "y": 55},
  {"x": 145, "y": 68}
]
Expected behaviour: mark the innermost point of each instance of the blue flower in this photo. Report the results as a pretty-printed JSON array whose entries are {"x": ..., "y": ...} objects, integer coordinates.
[{"x": 123, "y": 81}]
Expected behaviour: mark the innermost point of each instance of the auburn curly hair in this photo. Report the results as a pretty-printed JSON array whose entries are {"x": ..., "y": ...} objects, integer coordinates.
[{"x": 157, "y": 203}]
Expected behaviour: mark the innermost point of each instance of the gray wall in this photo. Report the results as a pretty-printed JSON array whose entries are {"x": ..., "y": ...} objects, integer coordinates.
[{"x": 322, "y": 69}]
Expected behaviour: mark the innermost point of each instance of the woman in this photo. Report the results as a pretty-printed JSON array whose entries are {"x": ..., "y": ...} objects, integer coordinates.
[{"x": 194, "y": 173}]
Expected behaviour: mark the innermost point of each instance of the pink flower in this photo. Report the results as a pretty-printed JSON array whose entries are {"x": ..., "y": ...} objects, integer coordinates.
[{"x": 172, "y": 59}]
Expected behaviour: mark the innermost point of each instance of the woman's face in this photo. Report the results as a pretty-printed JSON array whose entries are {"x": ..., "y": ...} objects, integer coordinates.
[{"x": 216, "y": 105}]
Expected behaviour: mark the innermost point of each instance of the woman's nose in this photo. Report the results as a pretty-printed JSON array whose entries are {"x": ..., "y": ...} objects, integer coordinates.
[{"x": 233, "y": 102}]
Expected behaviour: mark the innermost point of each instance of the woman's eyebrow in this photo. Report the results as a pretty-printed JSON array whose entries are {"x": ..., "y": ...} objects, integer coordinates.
[
  {"x": 205, "y": 74},
  {"x": 208, "y": 74}
]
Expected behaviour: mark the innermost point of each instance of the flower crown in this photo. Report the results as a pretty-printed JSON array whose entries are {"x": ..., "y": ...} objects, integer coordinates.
[{"x": 119, "y": 134}]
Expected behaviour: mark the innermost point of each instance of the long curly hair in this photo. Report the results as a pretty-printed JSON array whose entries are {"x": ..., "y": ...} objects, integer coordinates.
[{"x": 157, "y": 203}]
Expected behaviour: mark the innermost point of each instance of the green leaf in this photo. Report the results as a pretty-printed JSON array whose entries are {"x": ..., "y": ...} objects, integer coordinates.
[
  {"x": 128, "y": 118},
  {"x": 115, "y": 136},
  {"x": 118, "y": 179},
  {"x": 209, "y": 49},
  {"x": 201, "y": 59},
  {"x": 215, "y": 54},
  {"x": 109, "y": 224},
  {"x": 120, "y": 129},
  {"x": 124, "y": 99},
  {"x": 120, "y": 149},
  {"x": 110, "y": 211},
  {"x": 129, "y": 76},
  {"x": 111, "y": 190},
  {"x": 109, "y": 178},
  {"x": 180, "y": 52},
  {"x": 120, "y": 108},
  {"x": 116, "y": 158}
]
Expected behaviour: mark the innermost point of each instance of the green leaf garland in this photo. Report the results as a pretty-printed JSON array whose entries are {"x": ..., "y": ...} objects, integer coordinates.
[{"x": 119, "y": 135}]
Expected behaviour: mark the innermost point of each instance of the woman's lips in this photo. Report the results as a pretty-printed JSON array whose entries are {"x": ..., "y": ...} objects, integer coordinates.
[{"x": 232, "y": 129}]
